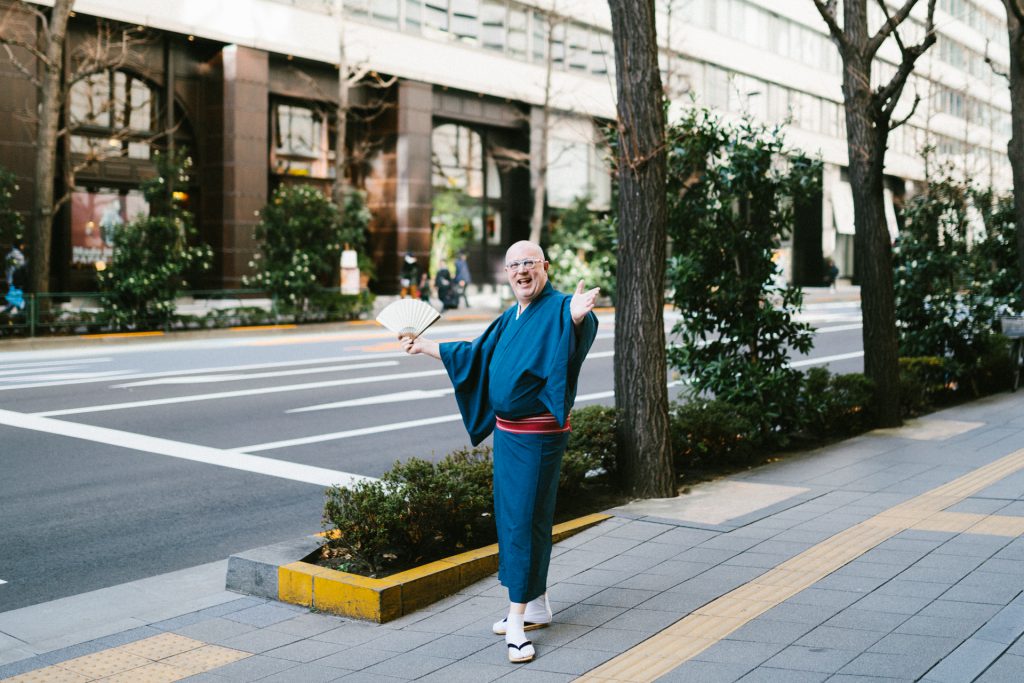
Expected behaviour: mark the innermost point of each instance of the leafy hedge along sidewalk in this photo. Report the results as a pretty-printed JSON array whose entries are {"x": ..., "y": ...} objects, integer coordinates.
[{"x": 421, "y": 511}]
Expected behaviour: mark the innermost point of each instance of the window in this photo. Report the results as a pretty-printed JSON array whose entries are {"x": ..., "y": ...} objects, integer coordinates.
[
  {"x": 435, "y": 16},
  {"x": 492, "y": 25},
  {"x": 301, "y": 142},
  {"x": 517, "y": 32},
  {"x": 384, "y": 12},
  {"x": 112, "y": 113},
  {"x": 465, "y": 22},
  {"x": 96, "y": 216}
]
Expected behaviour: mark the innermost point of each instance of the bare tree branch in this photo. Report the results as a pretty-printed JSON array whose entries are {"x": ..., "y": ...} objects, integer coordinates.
[
  {"x": 913, "y": 110},
  {"x": 19, "y": 66},
  {"x": 992, "y": 64},
  {"x": 892, "y": 23},
  {"x": 827, "y": 10},
  {"x": 886, "y": 97}
]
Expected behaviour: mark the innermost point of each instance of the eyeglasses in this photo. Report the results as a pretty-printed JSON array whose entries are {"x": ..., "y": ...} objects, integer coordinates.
[{"x": 527, "y": 263}]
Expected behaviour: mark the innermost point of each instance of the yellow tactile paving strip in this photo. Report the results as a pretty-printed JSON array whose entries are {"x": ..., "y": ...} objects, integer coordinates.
[
  {"x": 160, "y": 659},
  {"x": 709, "y": 624}
]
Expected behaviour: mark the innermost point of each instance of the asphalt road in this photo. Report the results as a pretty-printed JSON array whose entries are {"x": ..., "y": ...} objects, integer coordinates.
[{"x": 120, "y": 461}]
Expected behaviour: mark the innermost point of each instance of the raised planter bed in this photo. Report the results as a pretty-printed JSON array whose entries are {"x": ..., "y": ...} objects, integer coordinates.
[{"x": 271, "y": 572}]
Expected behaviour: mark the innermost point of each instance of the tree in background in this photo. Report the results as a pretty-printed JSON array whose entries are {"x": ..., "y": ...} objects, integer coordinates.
[
  {"x": 641, "y": 394},
  {"x": 582, "y": 247},
  {"x": 301, "y": 236},
  {"x": 1015, "y": 29},
  {"x": 152, "y": 254},
  {"x": 12, "y": 227},
  {"x": 34, "y": 40},
  {"x": 43, "y": 40},
  {"x": 869, "y": 120},
  {"x": 730, "y": 201}
]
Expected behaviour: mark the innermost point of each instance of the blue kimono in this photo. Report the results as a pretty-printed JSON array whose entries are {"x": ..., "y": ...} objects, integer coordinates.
[{"x": 522, "y": 367}]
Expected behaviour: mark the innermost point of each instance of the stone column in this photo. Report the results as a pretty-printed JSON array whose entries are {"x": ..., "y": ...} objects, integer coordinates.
[
  {"x": 245, "y": 158},
  {"x": 413, "y": 193}
]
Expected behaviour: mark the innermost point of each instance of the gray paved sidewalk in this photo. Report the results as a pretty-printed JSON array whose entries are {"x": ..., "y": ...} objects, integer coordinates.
[{"x": 916, "y": 603}]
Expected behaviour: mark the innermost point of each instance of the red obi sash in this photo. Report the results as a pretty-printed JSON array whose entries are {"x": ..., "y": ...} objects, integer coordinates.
[{"x": 536, "y": 424}]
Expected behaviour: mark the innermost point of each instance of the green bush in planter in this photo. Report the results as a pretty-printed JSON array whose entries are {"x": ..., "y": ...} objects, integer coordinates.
[
  {"x": 418, "y": 512},
  {"x": 923, "y": 383},
  {"x": 836, "y": 405},
  {"x": 707, "y": 432}
]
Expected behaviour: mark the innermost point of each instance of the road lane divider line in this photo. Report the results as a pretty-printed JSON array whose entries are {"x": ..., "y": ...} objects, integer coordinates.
[
  {"x": 712, "y": 622},
  {"x": 240, "y": 392},
  {"x": 395, "y": 426},
  {"x": 825, "y": 359},
  {"x": 227, "y": 377},
  {"x": 54, "y": 363},
  {"x": 414, "y": 395},
  {"x": 281, "y": 469},
  {"x": 231, "y": 368},
  {"x": 334, "y": 436}
]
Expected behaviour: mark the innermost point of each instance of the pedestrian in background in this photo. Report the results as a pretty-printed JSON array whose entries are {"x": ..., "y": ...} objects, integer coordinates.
[
  {"x": 409, "y": 277},
  {"x": 447, "y": 289},
  {"x": 462, "y": 278},
  {"x": 518, "y": 379}
]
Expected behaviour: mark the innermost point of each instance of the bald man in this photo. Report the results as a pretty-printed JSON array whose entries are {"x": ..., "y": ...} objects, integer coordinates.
[{"x": 518, "y": 379}]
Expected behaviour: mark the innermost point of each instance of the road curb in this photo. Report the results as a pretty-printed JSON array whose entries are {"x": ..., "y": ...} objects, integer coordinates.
[{"x": 272, "y": 572}]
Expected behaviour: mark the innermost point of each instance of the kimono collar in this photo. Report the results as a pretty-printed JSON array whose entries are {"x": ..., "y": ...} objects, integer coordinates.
[{"x": 548, "y": 289}]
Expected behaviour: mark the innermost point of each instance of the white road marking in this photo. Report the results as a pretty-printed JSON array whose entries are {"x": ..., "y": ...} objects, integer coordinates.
[
  {"x": 2, "y": 582},
  {"x": 600, "y": 354},
  {"x": 395, "y": 426},
  {"x": 177, "y": 449},
  {"x": 53, "y": 363},
  {"x": 62, "y": 378},
  {"x": 302, "y": 441},
  {"x": 230, "y": 368},
  {"x": 240, "y": 392},
  {"x": 825, "y": 359},
  {"x": 414, "y": 395},
  {"x": 207, "y": 379},
  {"x": 839, "y": 328}
]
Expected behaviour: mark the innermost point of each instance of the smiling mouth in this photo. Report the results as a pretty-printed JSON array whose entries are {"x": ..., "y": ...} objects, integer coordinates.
[{"x": 524, "y": 281}]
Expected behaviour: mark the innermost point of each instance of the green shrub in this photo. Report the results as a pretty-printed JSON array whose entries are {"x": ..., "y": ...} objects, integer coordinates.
[
  {"x": 836, "y": 405},
  {"x": 418, "y": 512},
  {"x": 328, "y": 305},
  {"x": 731, "y": 191},
  {"x": 923, "y": 383},
  {"x": 709, "y": 433},
  {"x": 584, "y": 247},
  {"x": 992, "y": 371},
  {"x": 593, "y": 435},
  {"x": 152, "y": 254},
  {"x": 301, "y": 236}
]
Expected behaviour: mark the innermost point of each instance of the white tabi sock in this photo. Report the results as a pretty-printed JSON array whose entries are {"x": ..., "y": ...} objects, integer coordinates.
[{"x": 519, "y": 647}]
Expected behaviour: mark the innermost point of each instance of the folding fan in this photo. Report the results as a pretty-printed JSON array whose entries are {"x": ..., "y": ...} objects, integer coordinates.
[{"x": 408, "y": 317}]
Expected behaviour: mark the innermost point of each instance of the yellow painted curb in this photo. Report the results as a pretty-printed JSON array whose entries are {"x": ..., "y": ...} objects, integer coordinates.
[
  {"x": 381, "y": 600},
  {"x": 121, "y": 335}
]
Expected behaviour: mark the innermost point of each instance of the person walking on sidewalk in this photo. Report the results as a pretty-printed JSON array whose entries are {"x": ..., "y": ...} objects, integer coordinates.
[
  {"x": 518, "y": 379},
  {"x": 462, "y": 278}
]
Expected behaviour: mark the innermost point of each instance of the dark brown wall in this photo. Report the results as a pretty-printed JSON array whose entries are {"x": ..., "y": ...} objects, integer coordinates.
[{"x": 17, "y": 146}]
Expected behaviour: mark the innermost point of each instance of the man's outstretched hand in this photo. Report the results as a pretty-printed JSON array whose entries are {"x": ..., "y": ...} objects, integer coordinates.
[{"x": 582, "y": 302}]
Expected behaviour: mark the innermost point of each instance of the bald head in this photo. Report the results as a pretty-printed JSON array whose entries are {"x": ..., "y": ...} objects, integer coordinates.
[{"x": 527, "y": 270}]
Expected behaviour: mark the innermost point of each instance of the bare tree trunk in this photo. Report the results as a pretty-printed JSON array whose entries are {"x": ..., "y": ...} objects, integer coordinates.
[
  {"x": 641, "y": 395},
  {"x": 869, "y": 119},
  {"x": 540, "y": 174},
  {"x": 874, "y": 263},
  {"x": 1015, "y": 26},
  {"x": 41, "y": 231}
]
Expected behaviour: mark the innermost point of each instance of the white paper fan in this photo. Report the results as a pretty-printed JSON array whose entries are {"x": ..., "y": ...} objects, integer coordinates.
[{"x": 408, "y": 317}]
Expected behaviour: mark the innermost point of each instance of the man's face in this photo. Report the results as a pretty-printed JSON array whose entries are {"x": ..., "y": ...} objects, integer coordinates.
[{"x": 527, "y": 283}]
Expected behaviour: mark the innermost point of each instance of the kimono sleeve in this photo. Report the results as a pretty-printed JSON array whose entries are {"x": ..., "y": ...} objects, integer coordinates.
[
  {"x": 563, "y": 372},
  {"x": 466, "y": 363}
]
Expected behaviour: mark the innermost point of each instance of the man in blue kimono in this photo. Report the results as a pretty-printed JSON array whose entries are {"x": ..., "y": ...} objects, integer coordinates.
[{"x": 518, "y": 379}]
